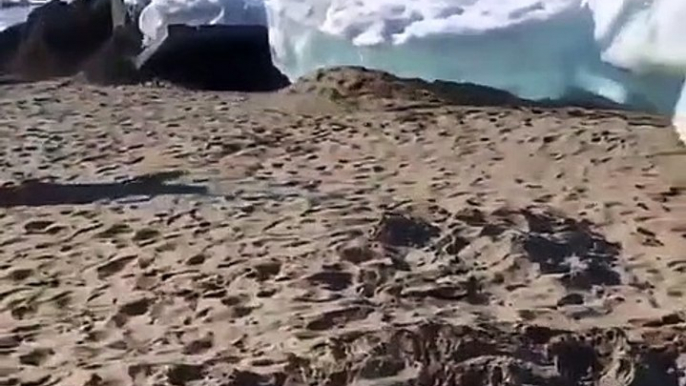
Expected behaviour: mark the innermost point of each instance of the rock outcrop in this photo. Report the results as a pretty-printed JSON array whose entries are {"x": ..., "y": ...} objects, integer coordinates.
[
  {"x": 114, "y": 62},
  {"x": 216, "y": 57},
  {"x": 10, "y": 40},
  {"x": 97, "y": 38},
  {"x": 58, "y": 38}
]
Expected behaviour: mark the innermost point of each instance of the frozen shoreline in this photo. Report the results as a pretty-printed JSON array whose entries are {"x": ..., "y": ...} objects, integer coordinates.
[{"x": 536, "y": 50}]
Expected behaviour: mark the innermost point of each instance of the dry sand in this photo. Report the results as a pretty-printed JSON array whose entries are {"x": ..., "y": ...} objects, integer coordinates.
[{"x": 346, "y": 231}]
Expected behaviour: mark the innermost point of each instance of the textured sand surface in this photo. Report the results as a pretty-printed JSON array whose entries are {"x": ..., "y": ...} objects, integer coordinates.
[{"x": 341, "y": 232}]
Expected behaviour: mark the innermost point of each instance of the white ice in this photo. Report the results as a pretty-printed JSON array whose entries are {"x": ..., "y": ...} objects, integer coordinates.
[
  {"x": 157, "y": 15},
  {"x": 12, "y": 15}
]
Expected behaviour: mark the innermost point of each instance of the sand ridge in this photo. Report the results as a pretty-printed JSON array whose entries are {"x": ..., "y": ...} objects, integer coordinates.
[{"x": 308, "y": 237}]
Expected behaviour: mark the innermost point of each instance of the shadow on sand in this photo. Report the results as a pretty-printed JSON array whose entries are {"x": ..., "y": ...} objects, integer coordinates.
[{"x": 37, "y": 193}]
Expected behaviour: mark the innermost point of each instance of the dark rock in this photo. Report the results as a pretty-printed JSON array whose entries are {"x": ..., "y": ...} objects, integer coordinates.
[
  {"x": 10, "y": 40},
  {"x": 114, "y": 62},
  {"x": 63, "y": 39},
  {"x": 216, "y": 57},
  {"x": 57, "y": 38}
]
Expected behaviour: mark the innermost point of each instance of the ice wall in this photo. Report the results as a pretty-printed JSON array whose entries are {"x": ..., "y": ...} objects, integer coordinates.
[{"x": 624, "y": 50}]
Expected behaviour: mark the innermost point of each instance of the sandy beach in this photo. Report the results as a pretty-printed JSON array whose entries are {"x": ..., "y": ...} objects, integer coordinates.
[{"x": 349, "y": 230}]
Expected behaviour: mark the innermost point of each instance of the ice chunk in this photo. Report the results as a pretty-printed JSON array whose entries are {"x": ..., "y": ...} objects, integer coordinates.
[
  {"x": 536, "y": 49},
  {"x": 156, "y": 15}
]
